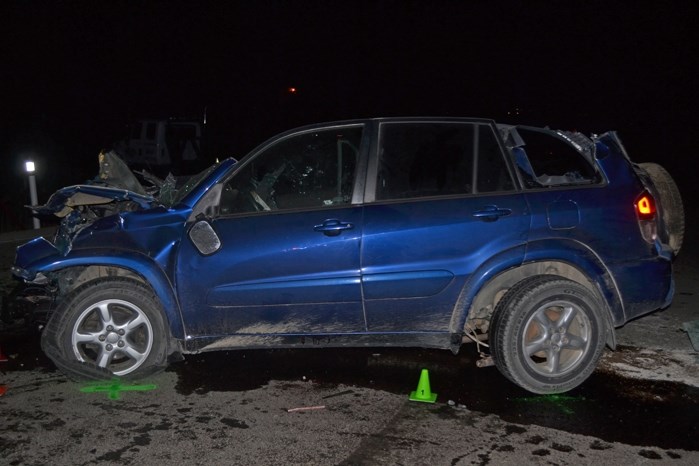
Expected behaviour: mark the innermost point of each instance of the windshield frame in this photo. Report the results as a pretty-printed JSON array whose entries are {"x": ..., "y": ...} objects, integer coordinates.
[{"x": 190, "y": 185}]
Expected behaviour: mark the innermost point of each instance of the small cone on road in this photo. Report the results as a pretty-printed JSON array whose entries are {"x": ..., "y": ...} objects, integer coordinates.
[
  {"x": 423, "y": 392},
  {"x": 3, "y": 358}
]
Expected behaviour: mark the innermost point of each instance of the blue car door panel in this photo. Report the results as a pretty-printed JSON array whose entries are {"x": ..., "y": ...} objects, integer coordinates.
[
  {"x": 288, "y": 261},
  {"x": 416, "y": 257},
  {"x": 275, "y": 274},
  {"x": 444, "y": 202}
]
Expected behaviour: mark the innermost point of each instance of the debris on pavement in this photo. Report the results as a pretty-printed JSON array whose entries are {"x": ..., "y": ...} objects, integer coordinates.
[
  {"x": 346, "y": 392},
  {"x": 305, "y": 408},
  {"x": 692, "y": 329}
]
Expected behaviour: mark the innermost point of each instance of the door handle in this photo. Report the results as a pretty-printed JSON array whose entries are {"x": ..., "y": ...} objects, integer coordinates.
[
  {"x": 491, "y": 213},
  {"x": 333, "y": 227}
]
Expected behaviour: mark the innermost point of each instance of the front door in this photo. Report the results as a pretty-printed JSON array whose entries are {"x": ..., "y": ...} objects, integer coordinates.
[{"x": 290, "y": 238}]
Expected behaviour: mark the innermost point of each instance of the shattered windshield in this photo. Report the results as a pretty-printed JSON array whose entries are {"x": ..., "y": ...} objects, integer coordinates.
[{"x": 114, "y": 172}]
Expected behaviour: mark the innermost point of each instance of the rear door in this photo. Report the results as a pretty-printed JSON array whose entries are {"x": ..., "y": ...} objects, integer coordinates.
[{"x": 444, "y": 202}]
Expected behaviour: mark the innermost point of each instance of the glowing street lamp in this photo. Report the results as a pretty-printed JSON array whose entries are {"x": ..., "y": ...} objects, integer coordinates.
[{"x": 31, "y": 168}]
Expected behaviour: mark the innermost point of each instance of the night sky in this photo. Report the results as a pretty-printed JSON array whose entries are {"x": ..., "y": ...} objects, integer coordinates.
[{"x": 74, "y": 74}]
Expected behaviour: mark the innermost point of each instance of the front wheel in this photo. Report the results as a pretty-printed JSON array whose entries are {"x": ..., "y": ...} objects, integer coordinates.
[
  {"x": 547, "y": 334},
  {"x": 107, "y": 328}
]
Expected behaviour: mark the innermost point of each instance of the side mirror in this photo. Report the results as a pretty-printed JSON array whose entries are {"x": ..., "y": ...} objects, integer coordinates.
[{"x": 204, "y": 238}]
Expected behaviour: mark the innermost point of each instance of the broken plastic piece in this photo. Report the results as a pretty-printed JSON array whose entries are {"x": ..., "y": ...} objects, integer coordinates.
[
  {"x": 305, "y": 408},
  {"x": 485, "y": 361},
  {"x": 692, "y": 329}
]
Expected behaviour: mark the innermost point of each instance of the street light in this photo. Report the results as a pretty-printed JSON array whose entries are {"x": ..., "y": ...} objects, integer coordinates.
[{"x": 31, "y": 168}]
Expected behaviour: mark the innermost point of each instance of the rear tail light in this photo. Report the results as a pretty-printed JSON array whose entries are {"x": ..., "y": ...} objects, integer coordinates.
[{"x": 646, "y": 213}]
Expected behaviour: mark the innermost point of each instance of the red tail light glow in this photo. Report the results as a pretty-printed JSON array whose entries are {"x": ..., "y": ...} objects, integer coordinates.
[
  {"x": 646, "y": 214},
  {"x": 645, "y": 207}
]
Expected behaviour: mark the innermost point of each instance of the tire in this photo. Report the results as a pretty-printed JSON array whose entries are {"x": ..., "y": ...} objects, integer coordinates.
[
  {"x": 105, "y": 329},
  {"x": 547, "y": 334},
  {"x": 671, "y": 207}
]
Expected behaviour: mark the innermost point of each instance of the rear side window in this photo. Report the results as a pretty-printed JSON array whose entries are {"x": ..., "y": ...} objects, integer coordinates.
[
  {"x": 439, "y": 159},
  {"x": 546, "y": 159}
]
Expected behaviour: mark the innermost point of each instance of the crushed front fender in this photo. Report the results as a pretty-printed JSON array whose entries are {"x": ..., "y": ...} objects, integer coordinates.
[{"x": 34, "y": 251}]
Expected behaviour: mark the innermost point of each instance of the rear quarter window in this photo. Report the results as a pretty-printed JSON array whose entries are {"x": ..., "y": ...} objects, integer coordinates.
[{"x": 546, "y": 160}]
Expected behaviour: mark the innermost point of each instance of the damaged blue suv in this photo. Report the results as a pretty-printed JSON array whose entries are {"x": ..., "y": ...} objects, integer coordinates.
[{"x": 427, "y": 232}]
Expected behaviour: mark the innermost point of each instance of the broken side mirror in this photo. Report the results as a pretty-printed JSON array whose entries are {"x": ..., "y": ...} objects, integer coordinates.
[{"x": 204, "y": 238}]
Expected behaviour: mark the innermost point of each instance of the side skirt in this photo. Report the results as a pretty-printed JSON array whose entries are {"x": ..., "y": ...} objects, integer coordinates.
[{"x": 440, "y": 340}]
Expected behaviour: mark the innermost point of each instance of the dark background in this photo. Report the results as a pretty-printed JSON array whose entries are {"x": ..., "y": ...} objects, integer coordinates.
[{"x": 73, "y": 74}]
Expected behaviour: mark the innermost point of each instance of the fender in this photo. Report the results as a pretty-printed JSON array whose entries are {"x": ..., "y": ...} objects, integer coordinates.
[
  {"x": 515, "y": 260},
  {"x": 587, "y": 262},
  {"x": 492, "y": 267},
  {"x": 137, "y": 262}
]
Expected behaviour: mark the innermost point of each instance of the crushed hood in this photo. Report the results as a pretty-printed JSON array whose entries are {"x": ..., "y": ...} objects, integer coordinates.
[
  {"x": 62, "y": 202},
  {"x": 115, "y": 182},
  {"x": 115, "y": 190}
]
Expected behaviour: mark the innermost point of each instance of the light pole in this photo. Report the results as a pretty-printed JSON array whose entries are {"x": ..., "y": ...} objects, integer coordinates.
[{"x": 29, "y": 166}]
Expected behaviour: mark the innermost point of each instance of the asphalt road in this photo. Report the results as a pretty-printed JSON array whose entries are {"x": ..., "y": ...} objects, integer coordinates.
[{"x": 640, "y": 407}]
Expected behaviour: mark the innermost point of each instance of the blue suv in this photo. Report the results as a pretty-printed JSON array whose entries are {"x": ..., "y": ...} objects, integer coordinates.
[{"x": 426, "y": 232}]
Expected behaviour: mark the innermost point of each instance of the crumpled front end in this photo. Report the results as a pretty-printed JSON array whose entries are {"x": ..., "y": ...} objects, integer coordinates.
[
  {"x": 35, "y": 296},
  {"x": 85, "y": 210},
  {"x": 113, "y": 191},
  {"x": 80, "y": 206}
]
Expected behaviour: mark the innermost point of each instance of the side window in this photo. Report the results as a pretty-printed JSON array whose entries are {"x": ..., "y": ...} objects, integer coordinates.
[
  {"x": 548, "y": 160},
  {"x": 493, "y": 174},
  {"x": 437, "y": 159},
  {"x": 308, "y": 170}
]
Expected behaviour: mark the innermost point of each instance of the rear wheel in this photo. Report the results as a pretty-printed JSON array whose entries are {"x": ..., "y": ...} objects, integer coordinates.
[
  {"x": 107, "y": 328},
  {"x": 671, "y": 207},
  {"x": 547, "y": 334}
]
